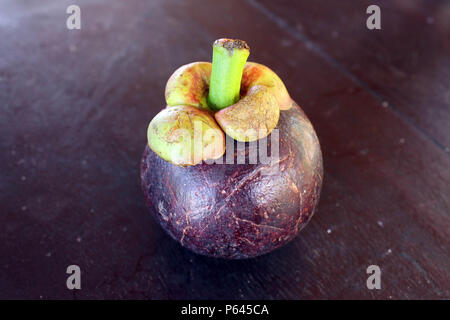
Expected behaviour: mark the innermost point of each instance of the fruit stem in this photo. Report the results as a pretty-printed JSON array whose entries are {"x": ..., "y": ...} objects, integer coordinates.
[{"x": 229, "y": 57}]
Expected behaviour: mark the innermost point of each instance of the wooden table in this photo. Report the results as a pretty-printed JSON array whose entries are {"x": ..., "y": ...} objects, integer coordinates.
[{"x": 75, "y": 105}]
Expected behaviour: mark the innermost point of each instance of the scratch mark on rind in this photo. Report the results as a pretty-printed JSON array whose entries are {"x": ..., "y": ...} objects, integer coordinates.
[{"x": 256, "y": 224}]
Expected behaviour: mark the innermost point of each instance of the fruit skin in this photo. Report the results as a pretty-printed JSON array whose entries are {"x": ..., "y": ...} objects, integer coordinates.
[{"x": 232, "y": 210}]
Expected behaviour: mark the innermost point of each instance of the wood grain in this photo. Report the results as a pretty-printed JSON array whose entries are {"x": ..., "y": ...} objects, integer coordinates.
[
  {"x": 75, "y": 106},
  {"x": 405, "y": 64}
]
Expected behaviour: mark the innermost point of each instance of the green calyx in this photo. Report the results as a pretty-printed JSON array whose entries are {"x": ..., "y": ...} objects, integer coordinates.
[
  {"x": 204, "y": 102},
  {"x": 229, "y": 58},
  {"x": 185, "y": 135}
]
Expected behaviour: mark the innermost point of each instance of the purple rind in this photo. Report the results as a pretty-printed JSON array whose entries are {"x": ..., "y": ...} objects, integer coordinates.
[{"x": 232, "y": 210}]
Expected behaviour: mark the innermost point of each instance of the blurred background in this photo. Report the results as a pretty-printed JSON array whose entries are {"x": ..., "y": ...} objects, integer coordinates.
[{"x": 75, "y": 106}]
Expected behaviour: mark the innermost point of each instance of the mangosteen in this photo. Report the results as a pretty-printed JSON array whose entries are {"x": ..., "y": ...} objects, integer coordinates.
[{"x": 233, "y": 167}]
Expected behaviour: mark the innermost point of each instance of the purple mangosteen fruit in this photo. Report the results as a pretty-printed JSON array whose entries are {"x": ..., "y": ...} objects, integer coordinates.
[{"x": 233, "y": 167}]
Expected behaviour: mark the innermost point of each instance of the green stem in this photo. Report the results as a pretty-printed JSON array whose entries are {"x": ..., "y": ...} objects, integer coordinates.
[{"x": 229, "y": 57}]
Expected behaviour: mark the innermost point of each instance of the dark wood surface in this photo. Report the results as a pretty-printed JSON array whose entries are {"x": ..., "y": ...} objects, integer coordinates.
[{"x": 75, "y": 106}]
